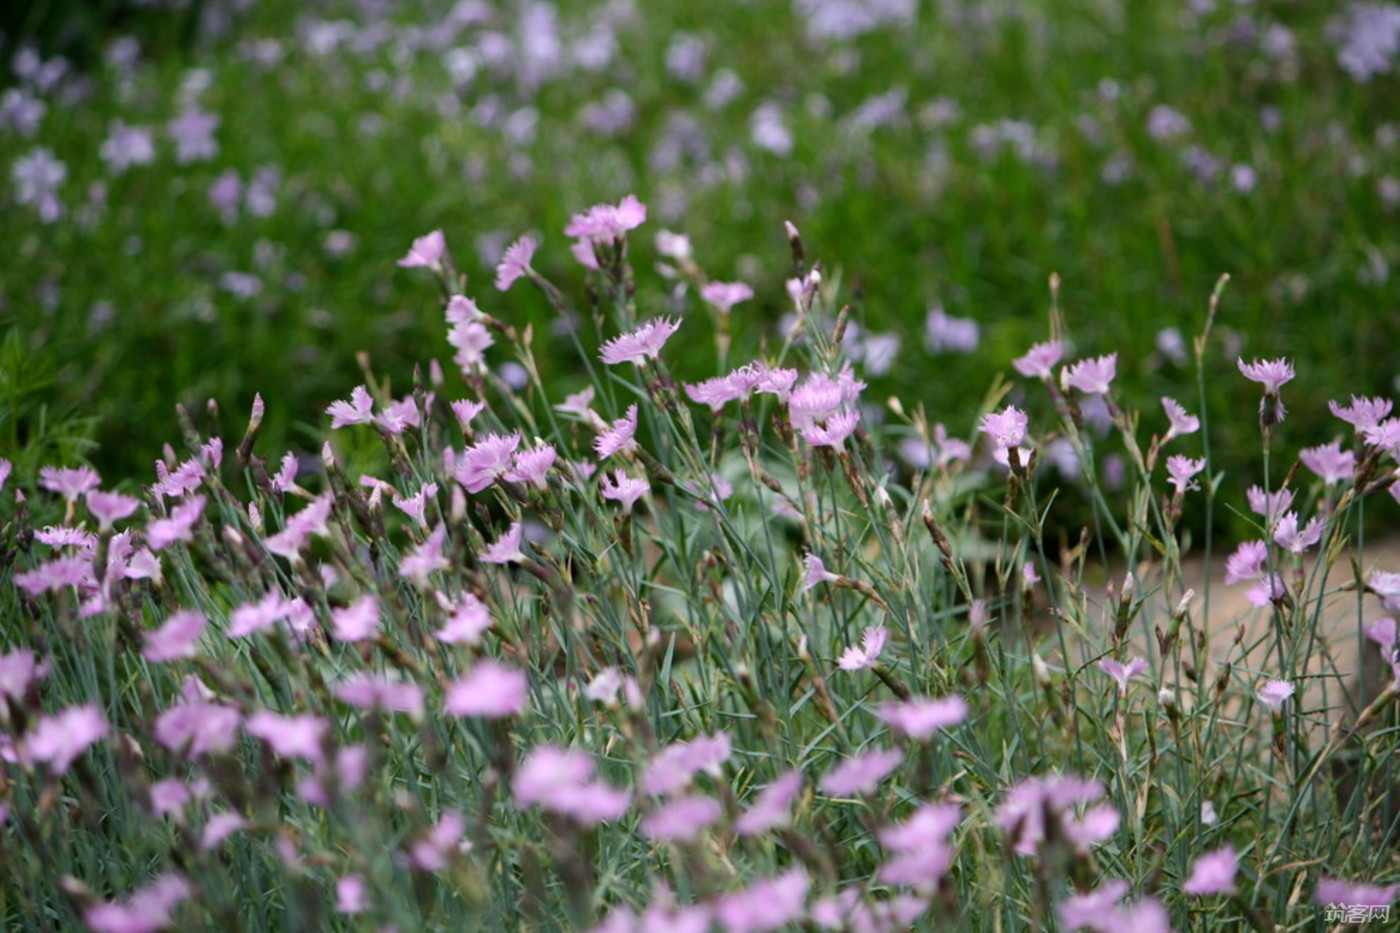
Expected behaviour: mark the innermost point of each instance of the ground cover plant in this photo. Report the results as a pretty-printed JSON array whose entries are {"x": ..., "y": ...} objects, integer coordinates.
[
  {"x": 658, "y": 653},
  {"x": 944, "y": 155}
]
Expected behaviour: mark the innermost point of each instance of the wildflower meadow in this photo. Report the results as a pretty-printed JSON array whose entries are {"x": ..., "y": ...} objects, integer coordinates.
[{"x": 624, "y": 576}]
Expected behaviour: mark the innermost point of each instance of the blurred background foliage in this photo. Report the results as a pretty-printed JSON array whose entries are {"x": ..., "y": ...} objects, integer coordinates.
[{"x": 941, "y": 157}]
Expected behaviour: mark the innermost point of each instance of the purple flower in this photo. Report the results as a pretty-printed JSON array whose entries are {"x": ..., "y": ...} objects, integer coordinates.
[
  {"x": 1269, "y": 505},
  {"x": 1273, "y": 693},
  {"x": 197, "y": 726},
  {"x": 1385, "y": 435},
  {"x": 681, "y": 819},
  {"x": 146, "y": 911},
  {"x": 853, "y": 659},
  {"x": 1181, "y": 422},
  {"x": 1092, "y": 377},
  {"x": 376, "y": 691},
  {"x": 1268, "y": 589},
  {"x": 1006, "y": 428},
  {"x": 58, "y": 739},
  {"x": 725, "y": 295},
  {"x": 465, "y": 411},
  {"x": 1040, "y": 359},
  {"x": 359, "y": 410},
  {"x": 416, "y": 505},
  {"x": 490, "y": 690},
  {"x": 19, "y": 670},
  {"x": 643, "y": 343},
  {"x": 816, "y": 572},
  {"x": 350, "y": 896},
  {"x": 219, "y": 828},
  {"x": 1272, "y": 374},
  {"x": 1092, "y": 909},
  {"x": 1122, "y": 672},
  {"x": 57, "y": 574},
  {"x": 426, "y": 559},
  {"x": 833, "y": 434},
  {"x": 176, "y": 638},
  {"x": 943, "y": 331},
  {"x": 920, "y": 854},
  {"x": 296, "y": 736},
  {"x": 471, "y": 340},
  {"x": 860, "y": 774},
  {"x": 920, "y": 717},
  {"x": 1362, "y": 413},
  {"x": 37, "y": 177},
  {"x": 426, "y": 251},
  {"x": 1331, "y": 464},
  {"x": 560, "y": 780},
  {"x": 619, "y": 436},
  {"x": 1247, "y": 562},
  {"x": 1213, "y": 873},
  {"x": 772, "y": 809},
  {"x": 193, "y": 134},
  {"x": 431, "y": 853},
  {"x": 126, "y": 146},
  {"x": 623, "y": 488},
  {"x": 516, "y": 262},
  {"x": 1027, "y": 805},
  {"x": 507, "y": 548},
  {"x": 676, "y": 765}
]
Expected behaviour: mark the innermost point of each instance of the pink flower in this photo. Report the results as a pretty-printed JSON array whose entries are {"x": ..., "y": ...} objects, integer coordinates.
[
  {"x": 359, "y": 410},
  {"x": 772, "y": 809},
  {"x": 1288, "y": 536},
  {"x": 578, "y": 403},
  {"x": 426, "y": 559},
  {"x": 1040, "y": 360},
  {"x": 1268, "y": 589},
  {"x": 196, "y": 726},
  {"x": 623, "y": 488},
  {"x": 176, "y": 638},
  {"x": 1272, "y": 374},
  {"x": 1122, "y": 672},
  {"x": 1362, "y": 413},
  {"x": 816, "y": 572},
  {"x": 431, "y": 853},
  {"x": 605, "y": 222},
  {"x": 416, "y": 505},
  {"x": 681, "y": 819},
  {"x": 466, "y": 623},
  {"x": 516, "y": 262},
  {"x": 1269, "y": 505},
  {"x": 620, "y": 436},
  {"x": 507, "y": 548},
  {"x": 109, "y": 507},
  {"x": 471, "y": 340},
  {"x": 311, "y": 520},
  {"x": 297, "y": 736},
  {"x": 860, "y": 774},
  {"x": 530, "y": 466},
  {"x": 69, "y": 482},
  {"x": 1354, "y": 894},
  {"x": 1273, "y": 693},
  {"x": 19, "y": 670},
  {"x": 285, "y": 479},
  {"x": 490, "y": 690},
  {"x": 58, "y": 739},
  {"x": 426, "y": 251},
  {"x": 643, "y": 343},
  {"x": 164, "y": 532},
  {"x": 465, "y": 411},
  {"x": 920, "y": 854},
  {"x": 487, "y": 460},
  {"x": 676, "y": 765},
  {"x": 219, "y": 828},
  {"x": 1092, "y": 377},
  {"x": 1006, "y": 428},
  {"x": 357, "y": 621},
  {"x": 1247, "y": 562},
  {"x": 560, "y": 780},
  {"x": 1027, "y": 805},
  {"x": 375, "y": 691},
  {"x": 57, "y": 574},
  {"x": 1181, "y": 422},
  {"x": 853, "y": 659},
  {"x": 833, "y": 434},
  {"x": 350, "y": 897},
  {"x": 766, "y": 904},
  {"x": 147, "y": 910},
  {"x": 254, "y": 617},
  {"x": 725, "y": 295},
  {"x": 1181, "y": 470},
  {"x": 1093, "y": 909},
  {"x": 717, "y": 392},
  {"x": 400, "y": 416},
  {"x": 1331, "y": 464},
  {"x": 920, "y": 717},
  {"x": 1213, "y": 873}
]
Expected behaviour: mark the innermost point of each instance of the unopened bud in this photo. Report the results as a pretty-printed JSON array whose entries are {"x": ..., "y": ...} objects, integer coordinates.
[
  {"x": 1041, "y": 671},
  {"x": 1184, "y": 605}
]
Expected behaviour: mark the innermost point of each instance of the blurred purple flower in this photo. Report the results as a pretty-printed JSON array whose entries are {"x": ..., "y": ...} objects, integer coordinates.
[
  {"x": 1273, "y": 693},
  {"x": 60, "y": 738},
  {"x": 861, "y": 773},
  {"x": 489, "y": 690},
  {"x": 516, "y": 262},
  {"x": 1331, "y": 464},
  {"x": 37, "y": 177},
  {"x": 873, "y": 641},
  {"x": 126, "y": 146},
  {"x": 560, "y": 780},
  {"x": 772, "y": 809},
  {"x": 675, "y": 766},
  {"x": 295, "y": 736},
  {"x": 146, "y": 911},
  {"x": 176, "y": 638},
  {"x": 944, "y": 332},
  {"x": 920, "y": 717},
  {"x": 507, "y": 548},
  {"x": 643, "y": 343},
  {"x": 1213, "y": 873},
  {"x": 193, "y": 134},
  {"x": 1092, "y": 377},
  {"x": 680, "y": 819},
  {"x": 426, "y": 251}
]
